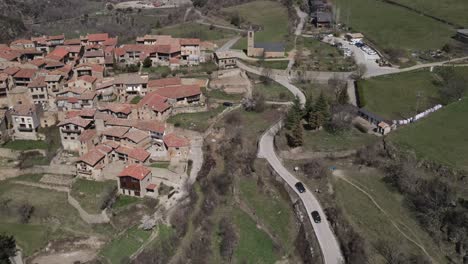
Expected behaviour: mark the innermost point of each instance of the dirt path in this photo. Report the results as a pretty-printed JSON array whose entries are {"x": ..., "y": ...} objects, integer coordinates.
[{"x": 339, "y": 174}]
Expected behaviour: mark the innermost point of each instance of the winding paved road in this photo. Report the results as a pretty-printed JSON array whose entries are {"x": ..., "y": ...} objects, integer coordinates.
[{"x": 328, "y": 243}]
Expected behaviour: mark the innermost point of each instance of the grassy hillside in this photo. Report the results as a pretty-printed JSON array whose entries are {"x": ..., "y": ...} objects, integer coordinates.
[
  {"x": 271, "y": 16},
  {"x": 440, "y": 137},
  {"x": 396, "y": 96},
  {"x": 390, "y": 26},
  {"x": 454, "y": 11}
]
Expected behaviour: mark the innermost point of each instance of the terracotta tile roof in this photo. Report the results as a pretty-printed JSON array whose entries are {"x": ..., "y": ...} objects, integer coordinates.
[
  {"x": 190, "y": 41},
  {"x": 87, "y": 112},
  {"x": 21, "y": 42},
  {"x": 93, "y": 53},
  {"x": 136, "y": 171},
  {"x": 72, "y": 48},
  {"x": 151, "y": 186},
  {"x": 87, "y": 78},
  {"x": 103, "y": 116},
  {"x": 154, "y": 102},
  {"x": 168, "y": 49},
  {"x": 72, "y": 100},
  {"x": 38, "y": 62},
  {"x": 76, "y": 41},
  {"x": 53, "y": 78},
  {"x": 9, "y": 55},
  {"x": 30, "y": 51},
  {"x": 3, "y": 76},
  {"x": 98, "y": 37},
  {"x": 58, "y": 37},
  {"x": 76, "y": 121},
  {"x": 95, "y": 155},
  {"x": 119, "y": 52},
  {"x": 110, "y": 42},
  {"x": 116, "y": 108},
  {"x": 58, "y": 54},
  {"x": 164, "y": 82},
  {"x": 118, "y": 132},
  {"x": 172, "y": 140},
  {"x": 103, "y": 84},
  {"x": 11, "y": 70},
  {"x": 139, "y": 48},
  {"x": 88, "y": 95},
  {"x": 94, "y": 67},
  {"x": 88, "y": 135},
  {"x": 38, "y": 82},
  {"x": 24, "y": 109},
  {"x": 136, "y": 135},
  {"x": 112, "y": 144},
  {"x": 54, "y": 64},
  {"x": 151, "y": 125},
  {"x": 177, "y": 92},
  {"x": 25, "y": 73},
  {"x": 134, "y": 153}
]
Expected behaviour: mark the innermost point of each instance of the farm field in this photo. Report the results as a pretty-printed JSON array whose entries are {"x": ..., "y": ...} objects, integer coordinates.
[
  {"x": 195, "y": 121},
  {"x": 440, "y": 137},
  {"x": 314, "y": 55},
  {"x": 377, "y": 226},
  {"x": 399, "y": 96},
  {"x": 454, "y": 11},
  {"x": 194, "y": 30},
  {"x": 393, "y": 27},
  {"x": 273, "y": 92},
  {"x": 270, "y": 15},
  {"x": 92, "y": 194}
]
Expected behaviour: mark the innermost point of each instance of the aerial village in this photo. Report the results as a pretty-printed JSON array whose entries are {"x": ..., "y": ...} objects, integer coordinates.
[{"x": 69, "y": 83}]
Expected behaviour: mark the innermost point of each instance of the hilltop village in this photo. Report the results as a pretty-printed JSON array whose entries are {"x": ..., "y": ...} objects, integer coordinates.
[{"x": 103, "y": 116}]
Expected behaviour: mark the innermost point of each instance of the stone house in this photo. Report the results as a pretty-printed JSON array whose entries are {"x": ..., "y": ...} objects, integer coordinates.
[
  {"x": 70, "y": 131},
  {"x": 134, "y": 180},
  {"x": 26, "y": 121}
]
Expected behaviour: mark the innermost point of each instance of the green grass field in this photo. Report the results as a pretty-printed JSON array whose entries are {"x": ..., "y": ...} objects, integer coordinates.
[
  {"x": 318, "y": 56},
  {"x": 270, "y": 15},
  {"x": 454, "y": 11},
  {"x": 254, "y": 245},
  {"x": 440, "y": 137},
  {"x": 395, "y": 96},
  {"x": 125, "y": 245},
  {"x": 375, "y": 225},
  {"x": 390, "y": 26},
  {"x": 160, "y": 164},
  {"x": 30, "y": 238},
  {"x": 22, "y": 145},
  {"x": 279, "y": 64},
  {"x": 275, "y": 212},
  {"x": 273, "y": 91},
  {"x": 90, "y": 194},
  {"x": 221, "y": 95},
  {"x": 194, "y": 30},
  {"x": 195, "y": 121},
  {"x": 323, "y": 141}
]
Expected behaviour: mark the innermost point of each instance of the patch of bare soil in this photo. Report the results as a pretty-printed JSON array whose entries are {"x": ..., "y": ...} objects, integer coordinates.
[{"x": 69, "y": 251}]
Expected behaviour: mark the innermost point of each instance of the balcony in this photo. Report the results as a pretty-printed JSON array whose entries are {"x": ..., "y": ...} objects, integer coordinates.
[
  {"x": 25, "y": 129},
  {"x": 71, "y": 130},
  {"x": 87, "y": 172}
]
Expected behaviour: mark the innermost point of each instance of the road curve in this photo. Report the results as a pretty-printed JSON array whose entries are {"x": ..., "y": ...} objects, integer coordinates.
[{"x": 328, "y": 243}]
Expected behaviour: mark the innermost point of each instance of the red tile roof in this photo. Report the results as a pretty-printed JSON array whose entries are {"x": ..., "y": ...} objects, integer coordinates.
[
  {"x": 38, "y": 82},
  {"x": 172, "y": 140},
  {"x": 76, "y": 121},
  {"x": 151, "y": 125},
  {"x": 151, "y": 186},
  {"x": 190, "y": 41},
  {"x": 95, "y": 154},
  {"x": 136, "y": 135},
  {"x": 177, "y": 92},
  {"x": 98, "y": 37},
  {"x": 136, "y": 171},
  {"x": 118, "y": 132},
  {"x": 38, "y": 62},
  {"x": 21, "y": 42},
  {"x": 58, "y": 37},
  {"x": 87, "y": 78},
  {"x": 58, "y": 54},
  {"x": 110, "y": 42},
  {"x": 154, "y": 102},
  {"x": 72, "y": 42},
  {"x": 11, "y": 70},
  {"x": 116, "y": 108},
  {"x": 88, "y": 135},
  {"x": 134, "y": 153},
  {"x": 164, "y": 82},
  {"x": 94, "y": 67},
  {"x": 25, "y": 73}
]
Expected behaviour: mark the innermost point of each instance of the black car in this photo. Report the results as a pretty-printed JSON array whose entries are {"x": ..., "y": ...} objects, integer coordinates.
[
  {"x": 227, "y": 104},
  {"x": 300, "y": 187},
  {"x": 316, "y": 217}
]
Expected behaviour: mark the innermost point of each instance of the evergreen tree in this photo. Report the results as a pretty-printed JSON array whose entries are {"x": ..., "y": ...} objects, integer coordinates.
[
  {"x": 296, "y": 137},
  {"x": 320, "y": 114},
  {"x": 147, "y": 62},
  {"x": 294, "y": 115},
  {"x": 343, "y": 97},
  {"x": 309, "y": 107},
  {"x": 7, "y": 248}
]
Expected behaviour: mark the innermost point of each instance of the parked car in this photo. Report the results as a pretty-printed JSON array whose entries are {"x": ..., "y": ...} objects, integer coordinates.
[
  {"x": 300, "y": 187},
  {"x": 227, "y": 104},
  {"x": 316, "y": 217}
]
